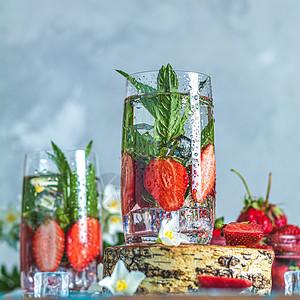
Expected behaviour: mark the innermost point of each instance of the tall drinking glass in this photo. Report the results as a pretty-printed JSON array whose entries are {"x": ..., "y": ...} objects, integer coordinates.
[
  {"x": 168, "y": 168},
  {"x": 60, "y": 229}
]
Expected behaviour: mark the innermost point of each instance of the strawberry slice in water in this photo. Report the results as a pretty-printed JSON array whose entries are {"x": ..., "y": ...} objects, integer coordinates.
[
  {"x": 48, "y": 246},
  {"x": 83, "y": 243},
  {"x": 127, "y": 183},
  {"x": 203, "y": 175},
  {"x": 216, "y": 282},
  {"x": 167, "y": 181}
]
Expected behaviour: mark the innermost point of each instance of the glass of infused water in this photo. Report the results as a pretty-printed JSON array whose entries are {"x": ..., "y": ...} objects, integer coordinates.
[
  {"x": 60, "y": 230},
  {"x": 168, "y": 168}
]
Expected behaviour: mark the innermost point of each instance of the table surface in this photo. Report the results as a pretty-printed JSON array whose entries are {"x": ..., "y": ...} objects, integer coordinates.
[{"x": 214, "y": 294}]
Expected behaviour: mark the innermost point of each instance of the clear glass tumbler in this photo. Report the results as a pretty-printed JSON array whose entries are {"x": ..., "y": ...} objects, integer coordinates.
[
  {"x": 60, "y": 230},
  {"x": 168, "y": 167}
]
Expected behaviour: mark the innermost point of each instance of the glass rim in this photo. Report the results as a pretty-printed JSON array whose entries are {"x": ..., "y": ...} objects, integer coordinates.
[
  {"x": 181, "y": 71},
  {"x": 51, "y": 151}
]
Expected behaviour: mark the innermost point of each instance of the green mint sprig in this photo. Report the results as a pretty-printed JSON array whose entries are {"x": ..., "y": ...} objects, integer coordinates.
[
  {"x": 69, "y": 211},
  {"x": 165, "y": 105},
  {"x": 169, "y": 123}
]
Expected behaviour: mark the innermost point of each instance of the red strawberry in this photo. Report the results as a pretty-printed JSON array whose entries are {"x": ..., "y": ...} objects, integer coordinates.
[
  {"x": 278, "y": 270},
  {"x": 142, "y": 197},
  {"x": 260, "y": 211},
  {"x": 207, "y": 167},
  {"x": 286, "y": 239},
  {"x": 256, "y": 216},
  {"x": 167, "y": 181},
  {"x": 217, "y": 232},
  {"x": 217, "y": 239},
  {"x": 127, "y": 183},
  {"x": 26, "y": 235},
  {"x": 48, "y": 246},
  {"x": 216, "y": 282},
  {"x": 243, "y": 234},
  {"x": 83, "y": 243}
]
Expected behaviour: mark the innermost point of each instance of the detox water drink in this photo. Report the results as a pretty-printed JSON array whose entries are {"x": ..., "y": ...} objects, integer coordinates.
[
  {"x": 60, "y": 230},
  {"x": 168, "y": 156}
]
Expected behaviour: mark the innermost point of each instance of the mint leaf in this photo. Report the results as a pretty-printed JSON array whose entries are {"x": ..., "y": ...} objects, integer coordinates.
[
  {"x": 167, "y": 81},
  {"x": 127, "y": 123},
  {"x": 142, "y": 145},
  {"x": 92, "y": 193},
  {"x": 141, "y": 88},
  {"x": 207, "y": 134},
  {"x": 88, "y": 149},
  {"x": 169, "y": 123},
  {"x": 149, "y": 104}
]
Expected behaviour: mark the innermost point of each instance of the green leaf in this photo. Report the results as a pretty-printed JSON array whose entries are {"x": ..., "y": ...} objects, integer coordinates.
[
  {"x": 149, "y": 103},
  {"x": 207, "y": 134},
  {"x": 127, "y": 124},
  {"x": 141, "y": 88},
  {"x": 92, "y": 192},
  {"x": 203, "y": 83},
  {"x": 169, "y": 123},
  {"x": 9, "y": 280},
  {"x": 88, "y": 149},
  {"x": 62, "y": 218},
  {"x": 167, "y": 81},
  {"x": 219, "y": 223}
]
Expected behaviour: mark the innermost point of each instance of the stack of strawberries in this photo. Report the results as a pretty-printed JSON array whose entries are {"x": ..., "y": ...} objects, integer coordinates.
[{"x": 267, "y": 224}]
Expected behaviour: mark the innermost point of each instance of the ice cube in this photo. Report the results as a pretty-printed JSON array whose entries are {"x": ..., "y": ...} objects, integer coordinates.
[{"x": 51, "y": 284}]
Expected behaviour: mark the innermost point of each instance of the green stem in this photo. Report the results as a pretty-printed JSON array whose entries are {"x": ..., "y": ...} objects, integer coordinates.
[
  {"x": 269, "y": 186},
  {"x": 244, "y": 183}
]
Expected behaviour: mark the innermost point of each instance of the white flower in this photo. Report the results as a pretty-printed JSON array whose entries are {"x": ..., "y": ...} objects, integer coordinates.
[
  {"x": 94, "y": 288},
  {"x": 121, "y": 281},
  {"x": 114, "y": 226},
  {"x": 9, "y": 218},
  {"x": 112, "y": 199},
  {"x": 168, "y": 233}
]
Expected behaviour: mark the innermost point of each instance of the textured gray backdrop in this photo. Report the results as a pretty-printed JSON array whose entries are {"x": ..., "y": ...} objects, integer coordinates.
[{"x": 57, "y": 82}]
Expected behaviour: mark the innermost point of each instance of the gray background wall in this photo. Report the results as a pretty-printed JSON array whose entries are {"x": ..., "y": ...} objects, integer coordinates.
[{"x": 57, "y": 61}]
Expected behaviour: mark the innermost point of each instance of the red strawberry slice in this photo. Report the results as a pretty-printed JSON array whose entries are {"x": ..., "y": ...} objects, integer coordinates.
[
  {"x": 243, "y": 234},
  {"x": 216, "y": 282},
  {"x": 83, "y": 243},
  {"x": 26, "y": 235},
  {"x": 200, "y": 190},
  {"x": 127, "y": 183},
  {"x": 48, "y": 246},
  {"x": 167, "y": 181}
]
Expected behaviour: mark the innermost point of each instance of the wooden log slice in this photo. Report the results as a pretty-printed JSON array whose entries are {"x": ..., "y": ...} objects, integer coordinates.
[{"x": 174, "y": 269}]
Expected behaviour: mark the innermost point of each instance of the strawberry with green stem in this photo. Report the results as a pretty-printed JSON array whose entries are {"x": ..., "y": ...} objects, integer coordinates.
[{"x": 260, "y": 211}]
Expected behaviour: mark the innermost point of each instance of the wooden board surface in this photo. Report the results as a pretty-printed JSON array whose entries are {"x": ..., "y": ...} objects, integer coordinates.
[{"x": 175, "y": 269}]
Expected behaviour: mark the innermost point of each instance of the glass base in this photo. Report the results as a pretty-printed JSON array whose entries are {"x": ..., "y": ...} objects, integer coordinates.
[
  {"x": 77, "y": 280},
  {"x": 142, "y": 225}
]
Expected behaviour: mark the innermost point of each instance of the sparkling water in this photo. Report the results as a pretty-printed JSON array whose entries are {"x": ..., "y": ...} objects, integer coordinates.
[{"x": 142, "y": 214}]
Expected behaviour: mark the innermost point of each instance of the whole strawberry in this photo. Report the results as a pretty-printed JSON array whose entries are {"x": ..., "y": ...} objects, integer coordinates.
[
  {"x": 260, "y": 211},
  {"x": 217, "y": 236},
  {"x": 243, "y": 234}
]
